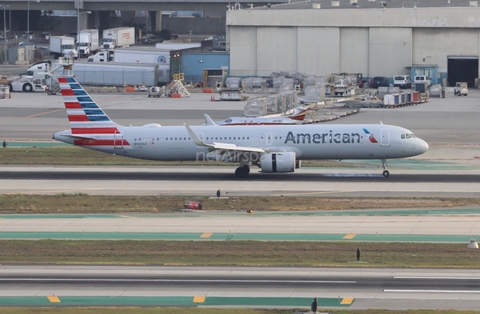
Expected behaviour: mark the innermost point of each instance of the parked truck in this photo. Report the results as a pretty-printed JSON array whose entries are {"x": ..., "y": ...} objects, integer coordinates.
[
  {"x": 63, "y": 46},
  {"x": 27, "y": 84},
  {"x": 133, "y": 55},
  {"x": 103, "y": 56},
  {"x": 118, "y": 37},
  {"x": 87, "y": 42}
]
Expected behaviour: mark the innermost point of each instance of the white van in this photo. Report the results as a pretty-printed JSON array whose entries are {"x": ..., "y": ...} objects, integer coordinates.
[
  {"x": 423, "y": 79},
  {"x": 402, "y": 81}
]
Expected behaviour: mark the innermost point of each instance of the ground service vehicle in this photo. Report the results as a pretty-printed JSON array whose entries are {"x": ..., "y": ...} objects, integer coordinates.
[
  {"x": 379, "y": 81},
  {"x": 423, "y": 79},
  {"x": 118, "y": 37},
  {"x": 461, "y": 88},
  {"x": 27, "y": 84},
  {"x": 151, "y": 39},
  {"x": 155, "y": 91},
  {"x": 87, "y": 42},
  {"x": 402, "y": 81},
  {"x": 63, "y": 46}
]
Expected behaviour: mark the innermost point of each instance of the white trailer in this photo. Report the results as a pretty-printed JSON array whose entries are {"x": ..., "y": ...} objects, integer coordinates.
[
  {"x": 142, "y": 55},
  {"x": 87, "y": 42},
  {"x": 118, "y": 37},
  {"x": 116, "y": 74},
  {"x": 63, "y": 46},
  {"x": 133, "y": 55}
]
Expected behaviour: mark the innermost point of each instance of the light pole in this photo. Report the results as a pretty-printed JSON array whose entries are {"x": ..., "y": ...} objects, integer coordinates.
[
  {"x": 28, "y": 27},
  {"x": 5, "y": 61}
]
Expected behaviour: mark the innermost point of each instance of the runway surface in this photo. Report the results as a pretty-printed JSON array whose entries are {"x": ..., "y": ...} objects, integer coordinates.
[
  {"x": 408, "y": 225},
  {"x": 424, "y": 180},
  {"x": 356, "y": 288}
]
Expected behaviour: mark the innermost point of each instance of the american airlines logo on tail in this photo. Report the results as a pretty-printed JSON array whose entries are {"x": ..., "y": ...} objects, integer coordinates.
[{"x": 90, "y": 125}]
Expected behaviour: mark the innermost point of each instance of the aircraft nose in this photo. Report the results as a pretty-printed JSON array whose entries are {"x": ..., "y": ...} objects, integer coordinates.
[{"x": 423, "y": 146}]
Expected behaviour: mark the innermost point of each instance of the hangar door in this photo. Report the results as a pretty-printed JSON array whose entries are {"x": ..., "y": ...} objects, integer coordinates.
[{"x": 462, "y": 69}]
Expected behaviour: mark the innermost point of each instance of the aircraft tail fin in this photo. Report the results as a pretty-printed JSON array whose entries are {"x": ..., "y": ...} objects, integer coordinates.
[
  {"x": 300, "y": 114},
  {"x": 208, "y": 120},
  {"x": 84, "y": 115}
]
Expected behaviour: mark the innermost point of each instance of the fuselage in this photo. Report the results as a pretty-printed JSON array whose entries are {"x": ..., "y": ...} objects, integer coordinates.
[{"x": 314, "y": 141}]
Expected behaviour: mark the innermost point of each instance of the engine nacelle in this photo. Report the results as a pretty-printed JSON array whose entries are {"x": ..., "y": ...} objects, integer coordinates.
[{"x": 278, "y": 162}]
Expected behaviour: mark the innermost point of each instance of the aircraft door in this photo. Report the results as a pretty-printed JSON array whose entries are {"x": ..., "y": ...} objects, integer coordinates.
[
  {"x": 269, "y": 138},
  {"x": 117, "y": 140},
  {"x": 385, "y": 137}
]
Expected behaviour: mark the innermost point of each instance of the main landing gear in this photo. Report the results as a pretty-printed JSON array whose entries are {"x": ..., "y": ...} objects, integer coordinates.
[
  {"x": 386, "y": 173},
  {"x": 242, "y": 171}
]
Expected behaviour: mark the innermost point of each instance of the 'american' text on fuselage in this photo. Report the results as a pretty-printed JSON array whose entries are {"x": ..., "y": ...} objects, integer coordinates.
[{"x": 324, "y": 138}]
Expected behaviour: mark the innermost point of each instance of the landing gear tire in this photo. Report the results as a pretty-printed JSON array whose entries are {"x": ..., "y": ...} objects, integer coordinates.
[
  {"x": 242, "y": 172},
  {"x": 386, "y": 173}
]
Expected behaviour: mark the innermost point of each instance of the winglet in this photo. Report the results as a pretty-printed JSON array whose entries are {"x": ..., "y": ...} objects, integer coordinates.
[
  {"x": 208, "y": 120},
  {"x": 198, "y": 141}
]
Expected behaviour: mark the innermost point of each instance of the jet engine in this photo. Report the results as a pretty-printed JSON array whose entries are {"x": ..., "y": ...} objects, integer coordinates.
[{"x": 278, "y": 162}]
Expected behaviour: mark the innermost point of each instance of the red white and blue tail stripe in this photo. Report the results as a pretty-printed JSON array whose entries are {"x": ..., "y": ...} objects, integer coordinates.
[{"x": 89, "y": 124}]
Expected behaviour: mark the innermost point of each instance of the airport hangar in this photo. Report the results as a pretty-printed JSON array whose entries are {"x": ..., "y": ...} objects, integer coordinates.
[{"x": 439, "y": 38}]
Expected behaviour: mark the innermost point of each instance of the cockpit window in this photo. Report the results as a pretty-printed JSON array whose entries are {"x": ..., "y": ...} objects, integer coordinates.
[{"x": 408, "y": 135}]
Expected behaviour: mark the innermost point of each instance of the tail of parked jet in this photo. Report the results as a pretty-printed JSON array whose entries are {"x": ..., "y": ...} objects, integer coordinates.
[
  {"x": 299, "y": 114},
  {"x": 89, "y": 124}
]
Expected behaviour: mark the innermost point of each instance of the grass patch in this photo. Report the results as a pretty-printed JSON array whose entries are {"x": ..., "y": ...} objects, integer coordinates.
[
  {"x": 91, "y": 204},
  {"x": 238, "y": 253}
]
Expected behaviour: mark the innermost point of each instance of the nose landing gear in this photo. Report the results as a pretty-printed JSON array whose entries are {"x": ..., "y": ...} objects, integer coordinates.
[{"x": 386, "y": 173}]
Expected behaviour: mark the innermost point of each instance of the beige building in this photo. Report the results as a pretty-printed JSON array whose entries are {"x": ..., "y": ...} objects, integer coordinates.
[{"x": 440, "y": 38}]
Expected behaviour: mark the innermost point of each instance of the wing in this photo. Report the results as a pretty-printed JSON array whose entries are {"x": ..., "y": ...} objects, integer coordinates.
[{"x": 222, "y": 146}]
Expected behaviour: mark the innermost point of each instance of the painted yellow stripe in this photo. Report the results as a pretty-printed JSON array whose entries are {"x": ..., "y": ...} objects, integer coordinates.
[
  {"x": 206, "y": 235},
  {"x": 53, "y": 299},
  {"x": 349, "y": 236},
  {"x": 347, "y": 300},
  {"x": 199, "y": 299}
]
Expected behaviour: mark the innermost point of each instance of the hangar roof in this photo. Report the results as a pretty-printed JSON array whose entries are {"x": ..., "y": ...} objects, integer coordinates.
[{"x": 371, "y": 4}]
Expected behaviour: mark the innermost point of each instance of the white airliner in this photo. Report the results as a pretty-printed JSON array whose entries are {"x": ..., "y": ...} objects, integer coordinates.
[
  {"x": 295, "y": 118},
  {"x": 277, "y": 148}
]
